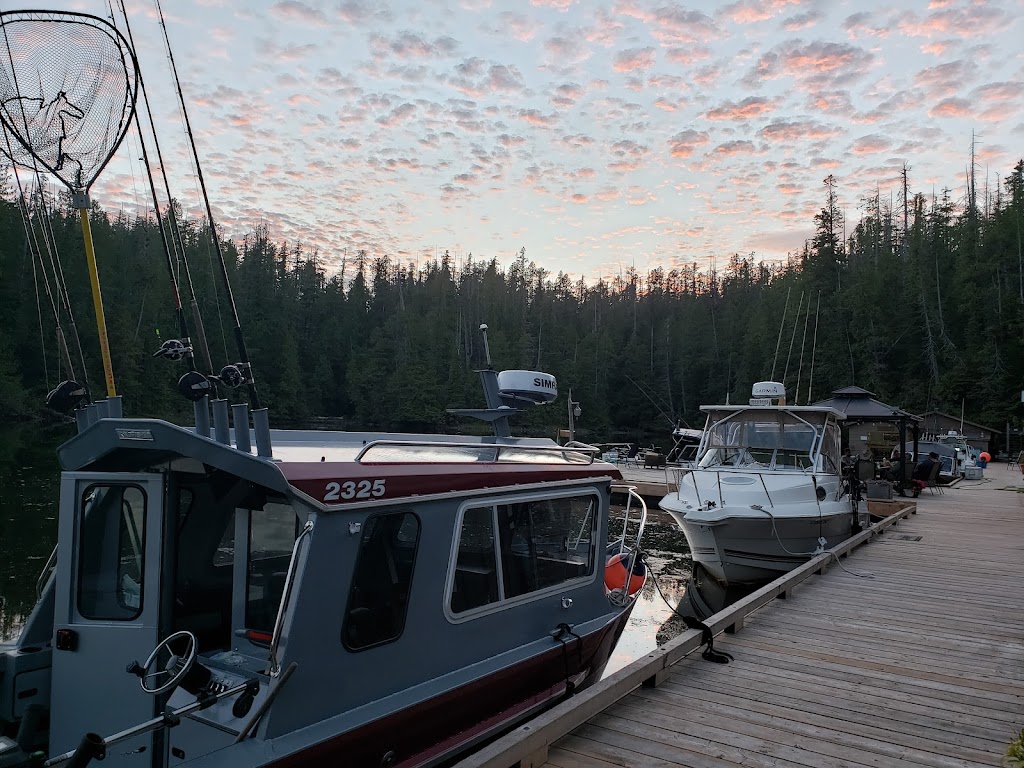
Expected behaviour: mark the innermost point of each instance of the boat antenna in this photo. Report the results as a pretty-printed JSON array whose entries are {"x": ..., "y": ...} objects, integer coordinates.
[
  {"x": 175, "y": 240},
  {"x": 232, "y": 375},
  {"x": 796, "y": 321},
  {"x": 814, "y": 346},
  {"x": 803, "y": 343},
  {"x": 778, "y": 342},
  {"x": 487, "y": 349},
  {"x": 77, "y": 123}
]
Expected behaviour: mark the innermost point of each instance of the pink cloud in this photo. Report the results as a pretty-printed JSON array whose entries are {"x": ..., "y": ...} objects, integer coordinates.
[
  {"x": 535, "y": 117},
  {"x": 522, "y": 28},
  {"x": 752, "y": 106},
  {"x": 732, "y": 148},
  {"x": 567, "y": 94},
  {"x": 634, "y": 59},
  {"x": 801, "y": 21},
  {"x": 294, "y": 11},
  {"x": 793, "y": 130},
  {"x": 669, "y": 106},
  {"x": 820, "y": 62},
  {"x": 408, "y": 45},
  {"x": 396, "y": 116},
  {"x": 577, "y": 141},
  {"x": 945, "y": 79},
  {"x": 870, "y": 144},
  {"x": 685, "y": 143},
  {"x": 688, "y": 55},
  {"x": 951, "y": 108},
  {"x": 579, "y": 198},
  {"x": 939, "y": 47},
  {"x": 999, "y": 92},
  {"x": 860, "y": 25},
  {"x": 977, "y": 20},
  {"x": 750, "y": 11},
  {"x": 673, "y": 24},
  {"x": 301, "y": 98}
]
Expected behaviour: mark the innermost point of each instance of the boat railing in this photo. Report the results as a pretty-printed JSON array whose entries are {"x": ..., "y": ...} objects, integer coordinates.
[
  {"x": 456, "y": 452},
  {"x": 44, "y": 575},
  {"x": 274, "y": 666}
]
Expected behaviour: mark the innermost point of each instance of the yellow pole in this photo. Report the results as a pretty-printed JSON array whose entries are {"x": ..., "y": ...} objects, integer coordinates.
[{"x": 97, "y": 301}]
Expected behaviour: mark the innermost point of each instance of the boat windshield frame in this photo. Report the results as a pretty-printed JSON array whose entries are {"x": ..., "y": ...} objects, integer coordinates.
[{"x": 816, "y": 458}]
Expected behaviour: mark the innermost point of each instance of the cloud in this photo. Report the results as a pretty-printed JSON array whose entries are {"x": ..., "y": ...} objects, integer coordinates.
[
  {"x": 732, "y": 148},
  {"x": 818, "y": 63},
  {"x": 294, "y": 11},
  {"x": 861, "y": 25},
  {"x": 688, "y": 55},
  {"x": 952, "y": 107},
  {"x": 794, "y": 130},
  {"x": 409, "y": 45},
  {"x": 673, "y": 24},
  {"x": 535, "y": 117},
  {"x": 685, "y": 143},
  {"x": 870, "y": 144},
  {"x": 750, "y": 107},
  {"x": 802, "y": 21},
  {"x": 945, "y": 79},
  {"x": 976, "y": 20},
  {"x": 633, "y": 59},
  {"x": 523, "y": 28},
  {"x": 558, "y": 5},
  {"x": 567, "y": 94},
  {"x": 751, "y": 11}
]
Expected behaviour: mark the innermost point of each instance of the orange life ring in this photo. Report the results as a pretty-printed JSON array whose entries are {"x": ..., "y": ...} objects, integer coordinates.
[{"x": 616, "y": 573}]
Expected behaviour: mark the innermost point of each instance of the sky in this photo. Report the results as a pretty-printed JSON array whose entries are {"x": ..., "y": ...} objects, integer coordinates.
[{"x": 596, "y": 134}]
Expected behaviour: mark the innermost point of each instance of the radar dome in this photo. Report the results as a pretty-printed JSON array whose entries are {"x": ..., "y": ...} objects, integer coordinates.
[{"x": 532, "y": 386}]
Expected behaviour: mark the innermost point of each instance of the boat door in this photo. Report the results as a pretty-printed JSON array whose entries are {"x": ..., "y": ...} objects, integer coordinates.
[{"x": 107, "y": 610}]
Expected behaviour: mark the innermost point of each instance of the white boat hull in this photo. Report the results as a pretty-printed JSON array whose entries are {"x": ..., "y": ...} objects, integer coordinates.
[
  {"x": 745, "y": 549},
  {"x": 747, "y": 526}
]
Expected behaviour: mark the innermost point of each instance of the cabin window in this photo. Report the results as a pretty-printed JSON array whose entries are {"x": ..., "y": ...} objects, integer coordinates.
[
  {"x": 272, "y": 532},
  {"x": 379, "y": 598},
  {"x": 541, "y": 543},
  {"x": 112, "y": 552}
]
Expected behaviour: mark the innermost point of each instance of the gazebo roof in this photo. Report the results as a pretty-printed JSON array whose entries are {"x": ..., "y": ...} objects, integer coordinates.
[{"x": 860, "y": 405}]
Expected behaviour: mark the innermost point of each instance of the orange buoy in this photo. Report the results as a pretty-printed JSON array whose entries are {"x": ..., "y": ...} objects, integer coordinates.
[
  {"x": 984, "y": 456},
  {"x": 616, "y": 572}
]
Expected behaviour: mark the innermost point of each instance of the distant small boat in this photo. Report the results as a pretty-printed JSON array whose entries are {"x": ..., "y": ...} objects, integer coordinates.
[{"x": 766, "y": 492}]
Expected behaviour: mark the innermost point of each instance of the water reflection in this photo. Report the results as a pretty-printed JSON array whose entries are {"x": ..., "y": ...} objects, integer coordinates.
[{"x": 29, "y": 478}]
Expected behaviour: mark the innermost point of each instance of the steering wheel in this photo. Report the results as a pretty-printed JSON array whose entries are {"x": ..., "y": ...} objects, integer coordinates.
[{"x": 175, "y": 668}]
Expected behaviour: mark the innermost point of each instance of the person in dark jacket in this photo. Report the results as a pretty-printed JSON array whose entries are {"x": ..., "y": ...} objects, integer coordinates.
[{"x": 923, "y": 471}]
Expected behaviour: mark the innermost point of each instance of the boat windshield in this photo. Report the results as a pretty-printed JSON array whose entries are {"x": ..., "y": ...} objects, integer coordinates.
[{"x": 770, "y": 439}]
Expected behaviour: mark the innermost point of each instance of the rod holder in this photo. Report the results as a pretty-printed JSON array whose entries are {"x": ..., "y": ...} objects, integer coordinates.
[
  {"x": 115, "y": 407},
  {"x": 102, "y": 409},
  {"x": 221, "y": 432},
  {"x": 261, "y": 423},
  {"x": 92, "y": 413},
  {"x": 240, "y": 417},
  {"x": 82, "y": 418},
  {"x": 201, "y": 409}
]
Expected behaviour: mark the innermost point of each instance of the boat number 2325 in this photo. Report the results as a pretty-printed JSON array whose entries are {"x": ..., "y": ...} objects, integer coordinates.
[{"x": 351, "y": 489}]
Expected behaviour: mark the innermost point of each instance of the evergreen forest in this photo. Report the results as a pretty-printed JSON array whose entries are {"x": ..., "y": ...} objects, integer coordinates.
[{"x": 921, "y": 301}]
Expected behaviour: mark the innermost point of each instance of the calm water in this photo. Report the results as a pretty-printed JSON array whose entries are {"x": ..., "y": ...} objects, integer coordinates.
[{"x": 29, "y": 480}]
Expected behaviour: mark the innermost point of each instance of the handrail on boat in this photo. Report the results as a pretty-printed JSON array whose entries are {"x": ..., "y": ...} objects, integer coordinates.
[
  {"x": 631, "y": 494},
  {"x": 45, "y": 573},
  {"x": 494, "y": 450},
  {"x": 274, "y": 667}
]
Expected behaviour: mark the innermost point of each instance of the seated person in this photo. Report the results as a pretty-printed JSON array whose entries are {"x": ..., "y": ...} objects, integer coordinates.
[
  {"x": 895, "y": 467},
  {"x": 923, "y": 471},
  {"x": 884, "y": 466},
  {"x": 847, "y": 461}
]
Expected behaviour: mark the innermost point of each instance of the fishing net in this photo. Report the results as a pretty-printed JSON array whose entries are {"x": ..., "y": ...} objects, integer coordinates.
[{"x": 68, "y": 83}]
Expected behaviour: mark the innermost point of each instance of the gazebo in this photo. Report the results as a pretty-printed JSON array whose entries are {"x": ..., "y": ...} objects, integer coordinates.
[{"x": 861, "y": 407}]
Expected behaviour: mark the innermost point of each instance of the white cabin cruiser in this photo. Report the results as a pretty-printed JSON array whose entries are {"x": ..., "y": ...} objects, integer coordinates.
[{"x": 767, "y": 491}]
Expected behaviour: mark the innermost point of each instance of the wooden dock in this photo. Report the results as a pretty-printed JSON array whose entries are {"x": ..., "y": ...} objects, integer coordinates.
[{"x": 915, "y": 657}]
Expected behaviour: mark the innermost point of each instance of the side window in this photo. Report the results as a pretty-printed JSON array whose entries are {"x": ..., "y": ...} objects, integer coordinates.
[
  {"x": 382, "y": 580},
  {"x": 541, "y": 543},
  {"x": 476, "y": 572},
  {"x": 112, "y": 552},
  {"x": 272, "y": 532}
]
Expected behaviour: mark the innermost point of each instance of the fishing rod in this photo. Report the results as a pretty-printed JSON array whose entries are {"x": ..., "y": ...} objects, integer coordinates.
[
  {"x": 242, "y": 373},
  {"x": 176, "y": 241}
]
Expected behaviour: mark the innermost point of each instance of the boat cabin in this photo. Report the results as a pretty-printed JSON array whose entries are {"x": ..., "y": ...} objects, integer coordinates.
[
  {"x": 337, "y": 598},
  {"x": 795, "y": 438}
]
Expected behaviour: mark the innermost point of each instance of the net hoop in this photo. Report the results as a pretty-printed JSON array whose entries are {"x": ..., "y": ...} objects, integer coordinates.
[{"x": 129, "y": 65}]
